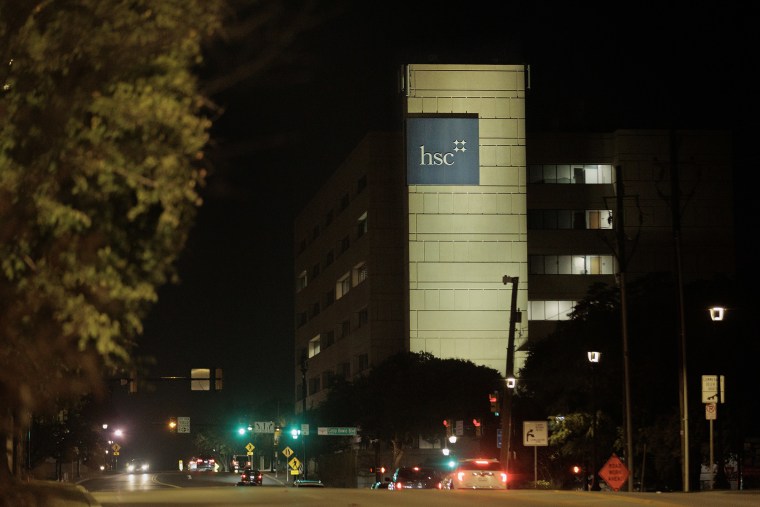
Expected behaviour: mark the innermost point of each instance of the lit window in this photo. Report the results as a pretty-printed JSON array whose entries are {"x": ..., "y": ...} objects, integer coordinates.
[
  {"x": 314, "y": 346},
  {"x": 360, "y": 273},
  {"x": 343, "y": 286},
  {"x": 302, "y": 281},
  {"x": 550, "y": 310},
  {"x": 361, "y": 225}
]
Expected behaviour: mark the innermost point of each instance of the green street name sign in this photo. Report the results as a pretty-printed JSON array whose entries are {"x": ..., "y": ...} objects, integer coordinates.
[{"x": 336, "y": 431}]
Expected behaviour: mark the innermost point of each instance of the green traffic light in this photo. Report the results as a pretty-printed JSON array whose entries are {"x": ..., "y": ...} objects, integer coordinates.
[
  {"x": 294, "y": 433},
  {"x": 241, "y": 431}
]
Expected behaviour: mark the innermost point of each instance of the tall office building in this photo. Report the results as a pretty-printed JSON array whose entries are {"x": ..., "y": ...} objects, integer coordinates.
[{"x": 406, "y": 246}]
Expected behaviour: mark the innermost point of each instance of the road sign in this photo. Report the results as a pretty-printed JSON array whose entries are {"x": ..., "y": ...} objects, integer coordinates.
[
  {"x": 115, "y": 447},
  {"x": 295, "y": 463},
  {"x": 336, "y": 431},
  {"x": 288, "y": 452},
  {"x": 713, "y": 389},
  {"x": 250, "y": 447},
  {"x": 711, "y": 411},
  {"x": 304, "y": 430},
  {"x": 263, "y": 427},
  {"x": 614, "y": 472},
  {"x": 535, "y": 433},
  {"x": 183, "y": 425}
]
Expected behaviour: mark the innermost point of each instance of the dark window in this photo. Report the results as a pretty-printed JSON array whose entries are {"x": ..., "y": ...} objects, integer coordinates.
[
  {"x": 329, "y": 297},
  {"x": 344, "y": 370},
  {"x": 344, "y": 244},
  {"x": 344, "y": 202},
  {"x": 315, "y": 310},
  {"x": 329, "y": 258},
  {"x": 314, "y": 271},
  {"x": 328, "y": 218},
  {"x": 345, "y": 328},
  {"x": 361, "y": 184},
  {"x": 301, "y": 319},
  {"x": 302, "y": 246},
  {"x": 315, "y": 233},
  {"x": 363, "y": 316},
  {"x": 363, "y": 362},
  {"x": 329, "y": 338}
]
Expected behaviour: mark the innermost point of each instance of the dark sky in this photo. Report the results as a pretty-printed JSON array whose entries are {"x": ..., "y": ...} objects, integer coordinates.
[{"x": 284, "y": 129}]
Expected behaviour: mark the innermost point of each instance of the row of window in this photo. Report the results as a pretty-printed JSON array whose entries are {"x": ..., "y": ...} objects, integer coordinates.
[
  {"x": 343, "y": 285},
  {"x": 571, "y": 265},
  {"x": 303, "y": 278},
  {"x": 569, "y": 219},
  {"x": 580, "y": 174},
  {"x": 326, "y": 339},
  {"x": 343, "y": 371},
  {"x": 361, "y": 184}
]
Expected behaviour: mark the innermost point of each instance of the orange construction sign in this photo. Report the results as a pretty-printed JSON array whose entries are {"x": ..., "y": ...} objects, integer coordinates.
[{"x": 614, "y": 472}]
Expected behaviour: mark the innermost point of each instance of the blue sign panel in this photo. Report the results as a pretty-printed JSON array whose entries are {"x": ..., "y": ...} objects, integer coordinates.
[{"x": 442, "y": 151}]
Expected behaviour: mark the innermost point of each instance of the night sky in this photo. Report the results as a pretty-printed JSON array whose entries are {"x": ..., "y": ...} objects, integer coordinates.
[{"x": 284, "y": 129}]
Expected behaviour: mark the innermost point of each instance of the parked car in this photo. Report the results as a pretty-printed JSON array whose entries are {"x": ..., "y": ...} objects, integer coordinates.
[
  {"x": 138, "y": 466},
  {"x": 251, "y": 477},
  {"x": 479, "y": 474},
  {"x": 386, "y": 484},
  {"x": 417, "y": 478}
]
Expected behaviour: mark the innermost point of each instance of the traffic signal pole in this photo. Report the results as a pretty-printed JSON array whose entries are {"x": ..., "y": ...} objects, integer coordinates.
[{"x": 506, "y": 414}]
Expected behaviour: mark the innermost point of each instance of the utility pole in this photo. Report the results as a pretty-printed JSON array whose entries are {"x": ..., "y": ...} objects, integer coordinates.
[{"x": 509, "y": 381}]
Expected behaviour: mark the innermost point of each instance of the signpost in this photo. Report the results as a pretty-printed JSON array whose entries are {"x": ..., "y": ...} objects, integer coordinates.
[
  {"x": 183, "y": 425},
  {"x": 535, "y": 434},
  {"x": 614, "y": 472},
  {"x": 336, "y": 431},
  {"x": 713, "y": 392}
]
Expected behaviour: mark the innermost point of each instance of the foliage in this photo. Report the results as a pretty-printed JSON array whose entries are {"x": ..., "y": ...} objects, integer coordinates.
[
  {"x": 557, "y": 379},
  {"x": 102, "y": 132},
  {"x": 407, "y": 396}
]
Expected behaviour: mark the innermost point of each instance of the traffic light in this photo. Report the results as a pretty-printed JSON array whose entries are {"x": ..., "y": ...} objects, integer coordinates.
[
  {"x": 173, "y": 424},
  {"x": 478, "y": 427},
  {"x": 494, "y": 399},
  {"x": 295, "y": 433},
  {"x": 447, "y": 424}
]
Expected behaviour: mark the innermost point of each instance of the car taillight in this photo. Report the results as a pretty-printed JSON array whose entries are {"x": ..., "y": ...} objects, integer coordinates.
[
  {"x": 399, "y": 485},
  {"x": 503, "y": 477}
]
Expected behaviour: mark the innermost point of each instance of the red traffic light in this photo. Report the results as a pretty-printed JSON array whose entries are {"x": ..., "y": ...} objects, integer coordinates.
[
  {"x": 446, "y": 422},
  {"x": 476, "y": 422}
]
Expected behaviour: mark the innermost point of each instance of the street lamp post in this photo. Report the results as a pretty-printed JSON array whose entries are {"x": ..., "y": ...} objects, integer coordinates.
[
  {"x": 593, "y": 358},
  {"x": 509, "y": 385}
]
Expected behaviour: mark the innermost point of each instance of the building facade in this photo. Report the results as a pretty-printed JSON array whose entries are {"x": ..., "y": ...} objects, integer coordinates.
[{"x": 405, "y": 247}]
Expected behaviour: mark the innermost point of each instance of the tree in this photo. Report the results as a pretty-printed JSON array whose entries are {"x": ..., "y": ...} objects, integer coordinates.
[
  {"x": 102, "y": 132},
  {"x": 409, "y": 395}
]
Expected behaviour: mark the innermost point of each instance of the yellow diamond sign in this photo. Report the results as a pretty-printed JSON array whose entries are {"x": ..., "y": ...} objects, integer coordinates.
[
  {"x": 295, "y": 463},
  {"x": 116, "y": 447},
  {"x": 288, "y": 452},
  {"x": 250, "y": 447}
]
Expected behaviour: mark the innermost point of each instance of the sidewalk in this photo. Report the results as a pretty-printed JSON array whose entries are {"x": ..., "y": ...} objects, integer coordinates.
[{"x": 38, "y": 493}]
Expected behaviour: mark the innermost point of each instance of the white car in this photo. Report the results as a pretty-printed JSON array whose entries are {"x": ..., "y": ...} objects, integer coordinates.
[{"x": 479, "y": 474}]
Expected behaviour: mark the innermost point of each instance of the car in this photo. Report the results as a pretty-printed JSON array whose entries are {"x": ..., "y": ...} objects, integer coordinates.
[
  {"x": 417, "y": 477},
  {"x": 203, "y": 464},
  {"x": 386, "y": 484},
  {"x": 479, "y": 474},
  {"x": 251, "y": 477},
  {"x": 307, "y": 483},
  {"x": 138, "y": 466}
]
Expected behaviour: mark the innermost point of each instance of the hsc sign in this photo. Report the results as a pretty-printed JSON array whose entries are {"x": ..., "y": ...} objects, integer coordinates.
[{"x": 442, "y": 151}]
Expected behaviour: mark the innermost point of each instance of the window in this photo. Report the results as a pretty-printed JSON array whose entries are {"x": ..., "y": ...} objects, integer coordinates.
[
  {"x": 344, "y": 202},
  {"x": 343, "y": 286},
  {"x": 329, "y": 297},
  {"x": 344, "y": 371},
  {"x": 328, "y": 379},
  {"x": 360, "y": 273},
  {"x": 550, "y": 310},
  {"x": 329, "y": 338},
  {"x": 345, "y": 328},
  {"x": 302, "y": 281},
  {"x": 314, "y": 271},
  {"x": 363, "y": 315},
  {"x": 361, "y": 225},
  {"x": 579, "y": 174},
  {"x": 329, "y": 258},
  {"x": 315, "y": 309},
  {"x": 344, "y": 244},
  {"x": 571, "y": 265},
  {"x": 314, "y": 346},
  {"x": 302, "y": 246},
  {"x": 329, "y": 217},
  {"x": 361, "y": 183},
  {"x": 314, "y": 385},
  {"x": 315, "y": 232},
  {"x": 363, "y": 361},
  {"x": 539, "y": 219},
  {"x": 300, "y": 319}
]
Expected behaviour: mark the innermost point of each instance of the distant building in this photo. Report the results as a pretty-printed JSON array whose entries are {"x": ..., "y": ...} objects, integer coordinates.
[{"x": 406, "y": 245}]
